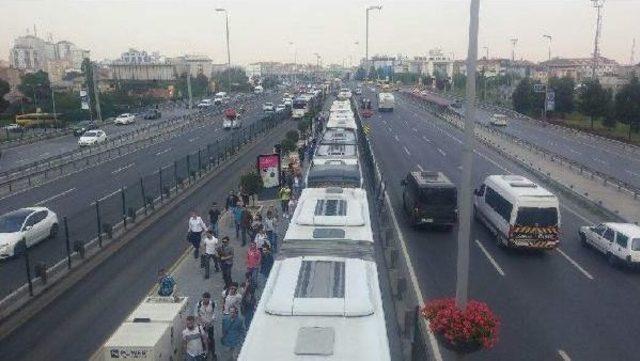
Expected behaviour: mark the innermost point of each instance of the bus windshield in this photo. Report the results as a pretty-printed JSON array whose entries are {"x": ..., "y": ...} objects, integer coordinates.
[{"x": 538, "y": 217}]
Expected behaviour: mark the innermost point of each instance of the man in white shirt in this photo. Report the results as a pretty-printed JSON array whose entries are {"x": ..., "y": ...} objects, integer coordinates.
[
  {"x": 205, "y": 315},
  {"x": 261, "y": 238},
  {"x": 194, "y": 232},
  {"x": 231, "y": 298},
  {"x": 193, "y": 341},
  {"x": 210, "y": 252}
]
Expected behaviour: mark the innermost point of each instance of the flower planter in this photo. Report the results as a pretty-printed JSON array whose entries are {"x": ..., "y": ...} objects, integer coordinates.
[{"x": 461, "y": 348}]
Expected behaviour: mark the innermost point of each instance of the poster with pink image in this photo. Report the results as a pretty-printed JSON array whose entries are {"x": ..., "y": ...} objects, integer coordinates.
[{"x": 269, "y": 169}]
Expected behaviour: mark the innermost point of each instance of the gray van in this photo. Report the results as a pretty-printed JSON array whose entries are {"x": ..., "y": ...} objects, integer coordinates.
[{"x": 430, "y": 198}]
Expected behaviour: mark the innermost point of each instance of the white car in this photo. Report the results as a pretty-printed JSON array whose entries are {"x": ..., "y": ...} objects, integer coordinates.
[
  {"x": 13, "y": 127},
  {"x": 281, "y": 107},
  {"x": 268, "y": 107},
  {"x": 124, "y": 119},
  {"x": 620, "y": 242},
  {"x": 288, "y": 102},
  {"x": 205, "y": 103},
  {"x": 499, "y": 120},
  {"x": 31, "y": 225},
  {"x": 92, "y": 137}
]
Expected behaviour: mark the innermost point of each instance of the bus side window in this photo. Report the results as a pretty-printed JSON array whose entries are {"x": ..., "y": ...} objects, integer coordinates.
[{"x": 481, "y": 191}]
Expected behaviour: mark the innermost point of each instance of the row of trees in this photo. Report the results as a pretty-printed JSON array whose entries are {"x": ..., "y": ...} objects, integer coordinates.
[{"x": 589, "y": 98}]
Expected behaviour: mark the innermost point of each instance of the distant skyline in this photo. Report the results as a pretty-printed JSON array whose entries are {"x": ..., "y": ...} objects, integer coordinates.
[{"x": 262, "y": 30}]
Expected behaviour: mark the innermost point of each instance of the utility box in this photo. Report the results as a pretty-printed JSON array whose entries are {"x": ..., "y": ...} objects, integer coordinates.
[
  {"x": 140, "y": 341},
  {"x": 167, "y": 310}
]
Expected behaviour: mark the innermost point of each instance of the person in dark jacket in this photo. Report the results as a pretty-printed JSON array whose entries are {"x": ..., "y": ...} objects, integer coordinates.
[
  {"x": 232, "y": 201},
  {"x": 245, "y": 224}
]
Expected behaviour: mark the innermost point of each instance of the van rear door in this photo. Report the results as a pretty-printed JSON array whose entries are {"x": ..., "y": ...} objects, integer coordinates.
[
  {"x": 537, "y": 225},
  {"x": 438, "y": 205}
]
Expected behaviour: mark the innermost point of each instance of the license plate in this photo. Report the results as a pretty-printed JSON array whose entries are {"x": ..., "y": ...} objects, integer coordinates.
[{"x": 427, "y": 220}]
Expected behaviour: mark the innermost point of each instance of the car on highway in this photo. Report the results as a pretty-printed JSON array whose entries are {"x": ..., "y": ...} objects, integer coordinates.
[
  {"x": 152, "y": 114},
  {"x": 519, "y": 212},
  {"x": 124, "y": 119},
  {"x": 287, "y": 101},
  {"x": 430, "y": 198},
  {"x": 92, "y": 137},
  {"x": 499, "y": 120},
  {"x": 205, "y": 103},
  {"x": 268, "y": 107},
  {"x": 80, "y": 127},
  {"x": 358, "y": 91},
  {"x": 12, "y": 128},
  {"x": 620, "y": 242},
  {"x": 281, "y": 107},
  {"x": 31, "y": 225},
  {"x": 258, "y": 89}
]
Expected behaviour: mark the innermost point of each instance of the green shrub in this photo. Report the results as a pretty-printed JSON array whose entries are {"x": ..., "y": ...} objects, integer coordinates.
[
  {"x": 293, "y": 136},
  {"x": 251, "y": 183},
  {"x": 288, "y": 145}
]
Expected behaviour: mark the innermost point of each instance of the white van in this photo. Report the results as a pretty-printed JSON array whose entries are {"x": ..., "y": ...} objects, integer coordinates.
[
  {"x": 518, "y": 212},
  {"x": 619, "y": 241},
  {"x": 499, "y": 120},
  {"x": 258, "y": 89},
  {"x": 386, "y": 102}
]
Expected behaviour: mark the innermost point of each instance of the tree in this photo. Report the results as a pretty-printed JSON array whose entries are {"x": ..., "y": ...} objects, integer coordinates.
[
  {"x": 237, "y": 76},
  {"x": 37, "y": 87},
  {"x": 4, "y": 89},
  {"x": 361, "y": 74},
  {"x": 564, "y": 89},
  {"x": 593, "y": 100},
  {"x": 87, "y": 71},
  {"x": 525, "y": 100},
  {"x": 372, "y": 72},
  {"x": 627, "y": 105}
]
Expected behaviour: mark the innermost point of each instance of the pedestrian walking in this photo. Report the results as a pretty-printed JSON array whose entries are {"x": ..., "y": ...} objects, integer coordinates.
[
  {"x": 211, "y": 244},
  {"x": 301, "y": 152},
  {"x": 297, "y": 185},
  {"x": 284, "y": 195},
  {"x": 231, "y": 298},
  {"x": 205, "y": 317},
  {"x": 237, "y": 219},
  {"x": 233, "y": 333},
  {"x": 253, "y": 262},
  {"x": 244, "y": 196},
  {"x": 256, "y": 226},
  {"x": 266, "y": 262},
  {"x": 261, "y": 238},
  {"x": 194, "y": 232},
  {"x": 166, "y": 283},
  {"x": 245, "y": 224},
  {"x": 214, "y": 217},
  {"x": 225, "y": 253},
  {"x": 248, "y": 303},
  {"x": 194, "y": 341},
  {"x": 231, "y": 202},
  {"x": 270, "y": 224},
  {"x": 291, "y": 207}
]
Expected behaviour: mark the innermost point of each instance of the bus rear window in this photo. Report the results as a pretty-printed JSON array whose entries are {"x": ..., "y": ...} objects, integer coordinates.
[
  {"x": 635, "y": 244},
  {"x": 439, "y": 196},
  {"x": 540, "y": 217}
]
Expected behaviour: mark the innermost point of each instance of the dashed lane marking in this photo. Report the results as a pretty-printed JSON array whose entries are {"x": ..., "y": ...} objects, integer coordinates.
[
  {"x": 164, "y": 151},
  {"x": 55, "y": 196},
  {"x": 420, "y": 167},
  {"x": 490, "y": 258},
  {"x": 396, "y": 137},
  {"x": 564, "y": 356},
  {"x": 121, "y": 169},
  {"x": 442, "y": 152},
  {"x": 575, "y": 264},
  {"x": 406, "y": 150}
]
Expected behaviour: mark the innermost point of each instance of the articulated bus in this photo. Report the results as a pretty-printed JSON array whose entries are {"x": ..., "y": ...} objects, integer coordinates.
[{"x": 34, "y": 120}]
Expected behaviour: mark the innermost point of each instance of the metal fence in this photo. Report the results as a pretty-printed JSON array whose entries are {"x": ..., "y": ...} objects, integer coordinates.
[{"x": 91, "y": 225}]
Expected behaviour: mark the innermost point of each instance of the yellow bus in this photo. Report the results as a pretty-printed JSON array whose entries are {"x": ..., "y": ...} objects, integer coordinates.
[{"x": 38, "y": 119}]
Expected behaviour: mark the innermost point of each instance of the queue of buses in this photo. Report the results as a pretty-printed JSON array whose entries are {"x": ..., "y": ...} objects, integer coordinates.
[{"x": 322, "y": 299}]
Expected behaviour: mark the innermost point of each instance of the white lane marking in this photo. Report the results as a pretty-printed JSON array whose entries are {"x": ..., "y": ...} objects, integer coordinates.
[
  {"x": 492, "y": 161},
  {"x": 426, "y": 139},
  {"x": 633, "y": 173},
  {"x": 406, "y": 150},
  {"x": 192, "y": 139},
  {"x": 397, "y": 139},
  {"x": 442, "y": 152},
  {"x": 414, "y": 129},
  {"x": 575, "y": 213},
  {"x": 384, "y": 122},
  {"x": 164, "y": 151},
  {"x": 574, "y": 151},
  {"x": 54, "y": 197},
  {"x": 45, "y": 154},
  {"x": 564, "y": 356},
  {"x": 105, "y": 197},
  {"x": 123, "y": 168},
  {"x": 490, "y": 258},
  {"x": 575, "y": 264},
  {"x": 420, "y": 167}
]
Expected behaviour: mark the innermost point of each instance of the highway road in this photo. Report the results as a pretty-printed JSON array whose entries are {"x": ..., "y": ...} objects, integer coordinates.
[
  {"x": 606, "y": 156},
  {"x": 74, "y": 195},
  {"x": 561, "y": 305},
  {"x": 81, "y": 319}
]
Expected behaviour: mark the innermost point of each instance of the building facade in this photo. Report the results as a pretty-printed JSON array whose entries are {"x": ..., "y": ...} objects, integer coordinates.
[{"x": 31, "y": 53}]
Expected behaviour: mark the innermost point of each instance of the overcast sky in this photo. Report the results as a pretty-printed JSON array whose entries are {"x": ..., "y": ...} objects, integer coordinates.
[{"x": 262, "y": 29}]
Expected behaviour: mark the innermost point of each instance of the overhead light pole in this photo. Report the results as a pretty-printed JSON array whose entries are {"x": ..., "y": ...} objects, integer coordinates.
[
  {"x": 366, "y": 48},
  {"x": 598, "y": 4},
  {"x": 514, "y": 42},
  {"x": 546, "y": 88},
  {"x": 226, "y": 16},
  {"x": 464, "y": 231},
  {"x": 295, "y": 62}
]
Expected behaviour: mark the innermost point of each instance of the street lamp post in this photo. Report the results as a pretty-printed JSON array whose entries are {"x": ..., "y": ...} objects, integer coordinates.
[
  {"x": 464, "y": 231},
  {"x": 366, "y": 51},
  {"x": 484, "y": 76},
  {"x": 546, "y": 88},
  {"x": 295, "y": 62},
  {"x": 226, "y": 16}
]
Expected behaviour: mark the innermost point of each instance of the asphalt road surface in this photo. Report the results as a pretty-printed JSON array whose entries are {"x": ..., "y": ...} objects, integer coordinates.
[
  {"x": 565, "y": 303},
  {"x": 74, "y": 195},
  {"x": 79, "y": 321}
]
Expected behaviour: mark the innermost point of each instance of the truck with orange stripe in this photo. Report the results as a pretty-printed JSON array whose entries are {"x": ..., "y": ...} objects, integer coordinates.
[{"x": 519, "y": 212}]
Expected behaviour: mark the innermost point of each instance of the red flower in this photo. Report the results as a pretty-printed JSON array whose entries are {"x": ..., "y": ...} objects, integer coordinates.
[{"x": 475, "y": 324}]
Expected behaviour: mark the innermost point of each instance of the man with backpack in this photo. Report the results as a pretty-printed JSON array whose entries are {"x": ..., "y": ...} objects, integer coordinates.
[
  {"x": 166, "y": 283},
  {"x": 205, "y": 315},
  {"x": 193, "y": 341}
]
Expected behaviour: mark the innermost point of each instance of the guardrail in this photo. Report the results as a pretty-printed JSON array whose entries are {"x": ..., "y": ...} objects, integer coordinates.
[
  {"x": 91, "y": 227},
  {"x": 418, "y": 342},
  {"x": 10, "y": 138}
]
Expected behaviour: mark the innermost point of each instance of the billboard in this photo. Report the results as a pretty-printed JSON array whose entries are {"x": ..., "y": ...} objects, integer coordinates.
[
  {"x": 269, "y": 169},
  {"x": 84, "y": 100}
]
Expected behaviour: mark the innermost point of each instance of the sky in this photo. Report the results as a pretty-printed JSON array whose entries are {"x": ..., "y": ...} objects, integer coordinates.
[{"x": 262, "y": 30}]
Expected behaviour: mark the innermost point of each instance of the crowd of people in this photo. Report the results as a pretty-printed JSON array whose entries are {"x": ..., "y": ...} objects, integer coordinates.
[{"x": 238, "y": 301}]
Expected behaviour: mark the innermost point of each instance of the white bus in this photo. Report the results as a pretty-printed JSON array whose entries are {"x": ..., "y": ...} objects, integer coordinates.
[
  {"x": 322, "y": 298},
  {"x": 300, "y": 106},
  {"x": 386, "y": 102},
  {"x": 344, "y": 173},
  {"x": 519, "y": 212}
]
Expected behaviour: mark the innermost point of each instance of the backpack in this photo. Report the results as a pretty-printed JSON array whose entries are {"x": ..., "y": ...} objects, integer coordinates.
[{"x": 166, "y": 286}]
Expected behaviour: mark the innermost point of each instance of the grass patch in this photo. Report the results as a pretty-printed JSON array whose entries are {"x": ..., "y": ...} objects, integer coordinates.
[{"x": 619, "y": 132}]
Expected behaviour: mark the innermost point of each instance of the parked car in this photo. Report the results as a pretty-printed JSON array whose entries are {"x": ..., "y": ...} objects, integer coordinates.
[
  {"x": 125, "y": 118},
  {"x": 15, "y": 128},
  {"x": 92, "y": 137},
  {"x": 152, "y": 114},
  {"x": 620, "y": 242},
  {"x": 82, "y": 126},
  {"x": 31, "y": 225},
  {"x": 281, "y": 107},
  {"x": 498, "y": 120},
  {"x": 268, "y": 107}
]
